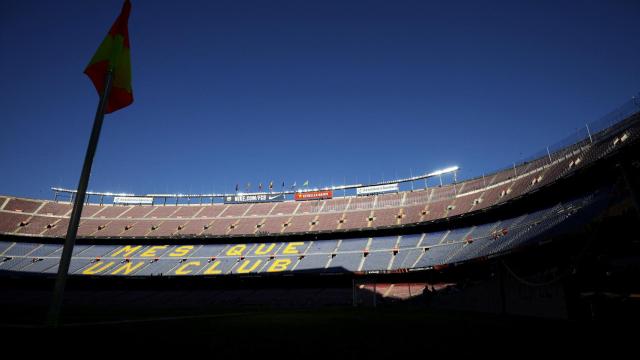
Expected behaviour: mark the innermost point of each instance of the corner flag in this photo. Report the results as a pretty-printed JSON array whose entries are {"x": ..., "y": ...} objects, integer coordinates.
[{"x": 114, "y": 55}]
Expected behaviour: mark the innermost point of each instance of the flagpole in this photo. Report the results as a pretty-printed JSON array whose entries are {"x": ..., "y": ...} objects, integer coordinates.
[{"x": 53, "y": 317}]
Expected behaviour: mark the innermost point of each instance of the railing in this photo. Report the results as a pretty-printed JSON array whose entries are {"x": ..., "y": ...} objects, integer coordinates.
[{"x": 592, "y": 131}]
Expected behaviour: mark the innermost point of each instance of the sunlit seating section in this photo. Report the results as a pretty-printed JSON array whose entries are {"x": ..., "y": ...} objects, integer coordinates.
[
  {"x": 284, "y": 208},
  {"x": 236, "y": 210},
  {"x": 55, "y": 208},
  {"x": 11, "y": 222},
  {"x": 301, "y": 223},
  {"x": 23, "y": 205},
  {"x": 329, "y": 221},
  {"x": 260, "y": 209}
]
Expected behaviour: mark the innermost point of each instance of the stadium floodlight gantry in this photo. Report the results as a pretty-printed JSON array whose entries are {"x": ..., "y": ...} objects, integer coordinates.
[{"x": 375, "y": 230}]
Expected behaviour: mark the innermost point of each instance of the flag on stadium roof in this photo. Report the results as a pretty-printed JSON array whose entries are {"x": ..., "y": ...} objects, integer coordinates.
[
  {"x": 237, "y": 187},
  {"x": 271, "y": 185},
  {"x": 306, "y": 183},
  {"x": 295, "y": 183},
  {"x": 114, "y": 55},
  {"x": 260, "y": 187}
]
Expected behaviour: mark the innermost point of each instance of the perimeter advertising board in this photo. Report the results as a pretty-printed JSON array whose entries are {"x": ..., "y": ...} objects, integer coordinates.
[
  {"x": 253, "y": 198},
  {"x": 313, "y": 195},
  {"x": 132, "y": 200},
  {"x": 377, "y": 189}
]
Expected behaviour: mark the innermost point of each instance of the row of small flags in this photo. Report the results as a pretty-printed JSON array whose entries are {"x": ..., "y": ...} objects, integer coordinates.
[{"x": 293, "y": 186}]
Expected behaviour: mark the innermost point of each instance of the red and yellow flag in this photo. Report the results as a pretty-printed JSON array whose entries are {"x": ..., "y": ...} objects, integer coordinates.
[{"x": 113, "y": 54}]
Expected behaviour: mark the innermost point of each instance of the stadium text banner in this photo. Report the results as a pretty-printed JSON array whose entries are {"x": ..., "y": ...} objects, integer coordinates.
[
  {"x": 313, "y": 195},
  {"x": 131, "y": 200},
  {"x": 254, "y": 198},
  {"x": 378, "y": 189}
]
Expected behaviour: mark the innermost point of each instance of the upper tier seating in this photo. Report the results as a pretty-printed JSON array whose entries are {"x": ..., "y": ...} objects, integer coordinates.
[{"x": 32, "y": 217}]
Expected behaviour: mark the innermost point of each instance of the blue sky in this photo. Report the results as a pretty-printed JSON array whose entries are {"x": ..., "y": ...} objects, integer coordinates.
[{"x": 239, "y": 91}]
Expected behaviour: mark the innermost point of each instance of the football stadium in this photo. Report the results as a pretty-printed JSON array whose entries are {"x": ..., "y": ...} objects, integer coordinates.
[
  {"x": 538, "y": 257},
  {"x": 548, "y": 237}
]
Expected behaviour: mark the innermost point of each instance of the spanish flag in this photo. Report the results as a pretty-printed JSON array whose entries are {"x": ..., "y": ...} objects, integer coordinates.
[{"x": 114, "y": 55}]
